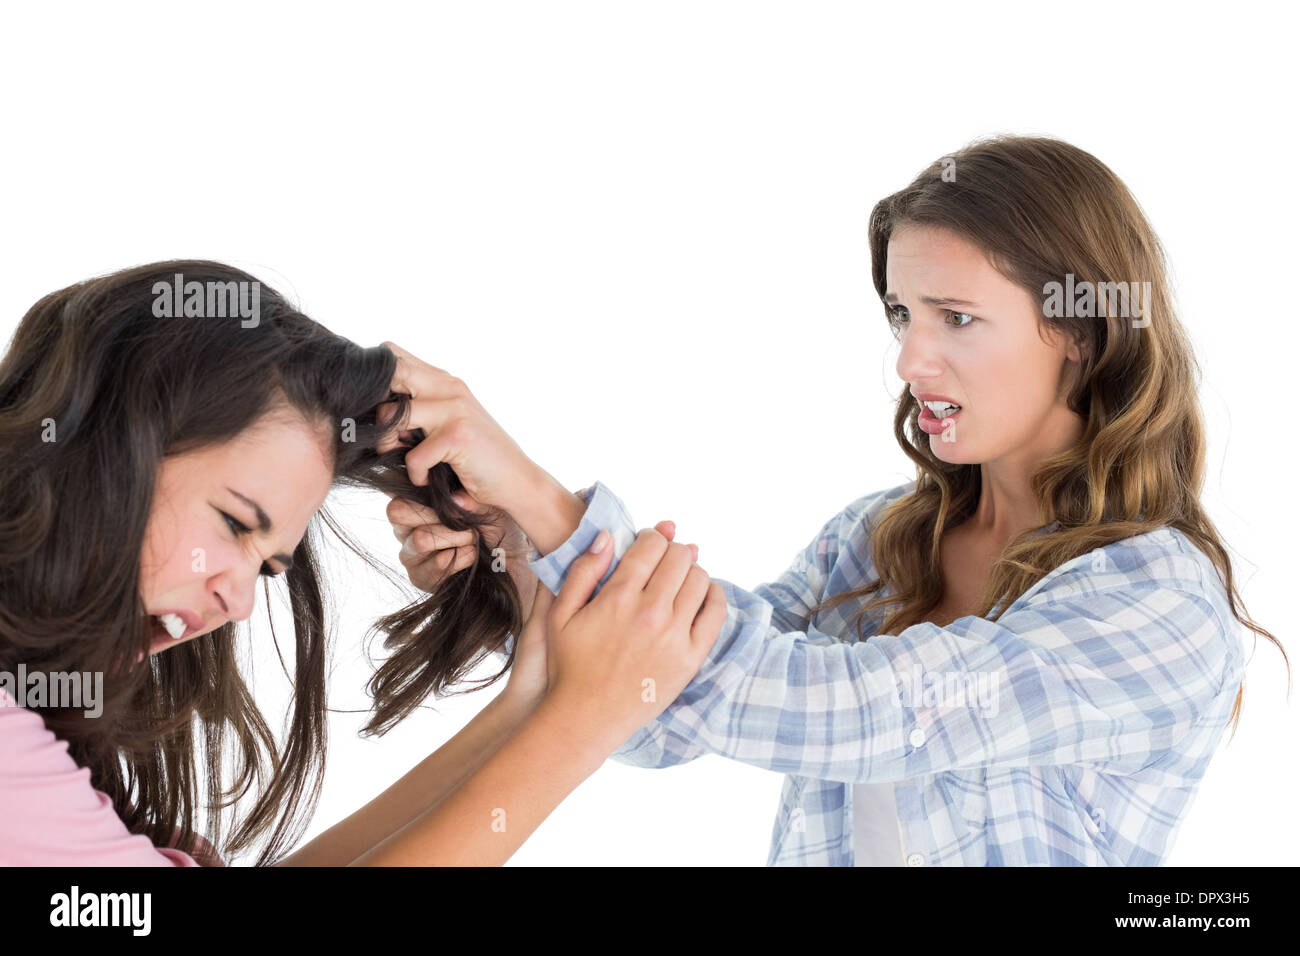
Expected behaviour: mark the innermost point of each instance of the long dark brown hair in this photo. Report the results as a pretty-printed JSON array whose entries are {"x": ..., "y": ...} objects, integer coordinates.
[
  {"x": 95, "y": 390},
  {"x": 1042, "y": 209}
]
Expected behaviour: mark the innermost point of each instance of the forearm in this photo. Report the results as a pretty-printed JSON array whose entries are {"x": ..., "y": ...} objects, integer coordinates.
[
  {"x": 489, "y": 816},
  {"x": 423, "y": 787}
]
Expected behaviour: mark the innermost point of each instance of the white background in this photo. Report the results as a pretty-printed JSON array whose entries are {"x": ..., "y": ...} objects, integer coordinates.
[{"x": 638, "y": 232}]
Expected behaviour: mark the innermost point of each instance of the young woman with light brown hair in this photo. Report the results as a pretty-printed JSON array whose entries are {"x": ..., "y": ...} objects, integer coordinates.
[{"x": 1028, "y": 654}]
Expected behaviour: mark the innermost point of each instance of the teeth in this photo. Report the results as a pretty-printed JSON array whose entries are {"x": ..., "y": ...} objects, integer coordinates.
[
  {"x": 174, "y": 624},
  {"x": 941, "y": 409}
]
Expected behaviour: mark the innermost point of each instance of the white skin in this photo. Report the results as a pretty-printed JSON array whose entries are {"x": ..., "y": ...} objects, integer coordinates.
[
  {"x": 280, "y": 464},
  {"x": 969, "y": 333}
]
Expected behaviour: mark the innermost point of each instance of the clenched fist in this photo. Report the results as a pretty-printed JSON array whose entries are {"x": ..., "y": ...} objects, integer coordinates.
[{"x": 432, "y": 552}]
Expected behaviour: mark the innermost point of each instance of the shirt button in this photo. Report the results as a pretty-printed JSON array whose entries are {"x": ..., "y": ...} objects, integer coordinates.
[
  {"x": 916, "y": 737},
  {"x": 915, "y": 860}
]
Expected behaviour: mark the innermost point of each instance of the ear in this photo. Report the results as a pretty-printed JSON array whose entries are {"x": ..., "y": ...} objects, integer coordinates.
[{"x": 1079, "y": 349}]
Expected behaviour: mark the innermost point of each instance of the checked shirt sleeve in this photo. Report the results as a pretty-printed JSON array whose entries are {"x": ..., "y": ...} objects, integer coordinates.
[{"x": 1112, "y": 678}]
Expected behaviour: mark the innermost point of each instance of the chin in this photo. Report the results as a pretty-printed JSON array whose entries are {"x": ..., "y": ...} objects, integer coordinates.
[{"x": 954, "y": 452}]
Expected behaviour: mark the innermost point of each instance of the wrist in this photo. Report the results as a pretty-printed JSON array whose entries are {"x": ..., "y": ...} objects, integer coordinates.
[
  {"x": 589, "y": 721},
  {"x": 587, "y": 739},
  {"x": 512, "y": 706},
  {"x": 546, "y": 512}
]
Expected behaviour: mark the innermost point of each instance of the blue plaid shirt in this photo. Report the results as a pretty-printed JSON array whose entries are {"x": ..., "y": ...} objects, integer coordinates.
[{"x": 1072, "y": 731}]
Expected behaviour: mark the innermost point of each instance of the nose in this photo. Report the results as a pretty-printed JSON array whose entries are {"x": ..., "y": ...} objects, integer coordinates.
[
  {"x": 235, "y": 591},
  {"x": 920, "y": 353}
]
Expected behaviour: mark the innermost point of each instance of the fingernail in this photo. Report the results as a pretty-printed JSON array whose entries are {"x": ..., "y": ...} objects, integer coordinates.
[
  {"x": 672, "y": 525},
  {"x": 695, "y": 552},
  {"x": 598, "y": 545}
]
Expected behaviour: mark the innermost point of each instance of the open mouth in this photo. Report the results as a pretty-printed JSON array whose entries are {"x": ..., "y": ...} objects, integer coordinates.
[
  {"x": 940, "y": 410},
  {"x": 172, "y": 624},
  {"x": 166, "y": 629},
  {"x": 932, "y": 423}
]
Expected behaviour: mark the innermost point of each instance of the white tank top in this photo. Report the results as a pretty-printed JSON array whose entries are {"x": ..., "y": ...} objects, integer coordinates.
[{"x": 877, "y": 837}]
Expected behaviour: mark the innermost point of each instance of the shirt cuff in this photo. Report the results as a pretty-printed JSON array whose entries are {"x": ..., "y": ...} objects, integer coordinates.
[{"x": 604, "y": 512}]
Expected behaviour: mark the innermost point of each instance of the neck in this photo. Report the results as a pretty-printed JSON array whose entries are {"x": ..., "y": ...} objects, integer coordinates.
[
  {"x": 1007, "y": 505},
  {"x": 1006, "y": 508}
]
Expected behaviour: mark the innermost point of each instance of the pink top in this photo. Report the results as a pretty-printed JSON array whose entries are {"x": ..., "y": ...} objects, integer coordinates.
[{"x": 50, "y": 815}]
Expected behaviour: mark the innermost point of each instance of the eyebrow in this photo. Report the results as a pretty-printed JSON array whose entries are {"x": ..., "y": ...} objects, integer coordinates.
[
  {"x": 263, "y": 525},
  {"x": 937, "y": 302}
]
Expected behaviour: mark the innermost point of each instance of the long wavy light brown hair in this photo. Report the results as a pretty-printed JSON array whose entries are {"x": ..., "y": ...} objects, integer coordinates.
[
  {"x": 124, "y": 388},
  {"x": 1042, "y": 209}
]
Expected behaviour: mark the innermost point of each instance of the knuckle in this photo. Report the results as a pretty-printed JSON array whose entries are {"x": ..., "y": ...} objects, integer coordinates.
[
  {"x": 616, "y": 589},
  {"x": 647, "y": 536},
  {"x": 457, "y": 429},
  {"x": 654, "y": 616}
]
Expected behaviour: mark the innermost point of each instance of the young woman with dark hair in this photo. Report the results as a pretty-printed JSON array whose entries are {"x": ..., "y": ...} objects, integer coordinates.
[{"x": 168, "y": 437}]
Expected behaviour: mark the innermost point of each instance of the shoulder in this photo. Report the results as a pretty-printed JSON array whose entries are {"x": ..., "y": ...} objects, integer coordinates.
[
  {"x": 37, "y": 774},
  {"x": 50, "y": 812},
  {"x": 1164, "y": 558},
  {"x": 24, "y": 736},
  {"x": 847, "y": 534},
  {"x": 1159, "y": 580},
  {"x": 856, "y": 519}
]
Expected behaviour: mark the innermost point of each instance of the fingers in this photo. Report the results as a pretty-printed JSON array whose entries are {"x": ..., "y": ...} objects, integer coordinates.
[
  {"x": 690, "y": 597},
  {"x": 584, "y": 574},
  {"x": 427, "y": 571},
  {"x": 405, "y": 515},
  {"x": 421, "y": 529},
  {"x": 667, "y": 578},
  {"x": 425, "y": 544},
  {"x": 430, "y": 415},
  {"x": 668, "y": 529},
  {"x": 652, "y": 563},
  {"x": 640, "y": 561},
  {"x": 430, "y": 550},
  {"x": 708, "y": 622},
  {"x": 417, "y": 378},
  {"x": 425, "y": 384},
  {"x": 465, "y": 501},
  {"x": 396, "y": 434}
]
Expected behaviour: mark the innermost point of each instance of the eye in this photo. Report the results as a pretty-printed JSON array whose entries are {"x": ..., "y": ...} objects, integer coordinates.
[
  {"x": 894, "y": 315},
  {"x": 897, "y": 316},
  {"x": 235, "y": 525},
  {"x": 241, "y": 529}
]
